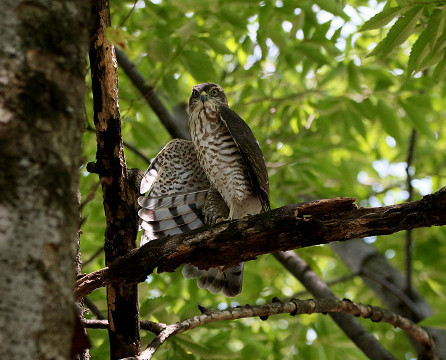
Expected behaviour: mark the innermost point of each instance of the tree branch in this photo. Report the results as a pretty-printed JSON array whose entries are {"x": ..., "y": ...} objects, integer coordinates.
[
  {"x": 289, "y": 227},
  {"x": 363, "y": 339},
  {"x": 295, "y": 307},
  {"x": 151, "y": 326},
  {"x": 387, "y": 284}
]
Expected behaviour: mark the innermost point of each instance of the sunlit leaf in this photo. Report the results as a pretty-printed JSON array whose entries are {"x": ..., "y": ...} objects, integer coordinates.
[
  {"x": 216, "y": 45},
  {"x": 437, "y": 320},
  {"x": 119, "y": 37},
  {"x": 383, "y": 18},
  {"x": 427, "y": 40},
  {"x": 438, "y": 288},
  {"x": 389, "y": 120},
  {"x": 440, "y": 70},
  {"x": 199, "y": 65},
  {"x": 415, "y": 108},
  {"x": 400, "y": 31}
]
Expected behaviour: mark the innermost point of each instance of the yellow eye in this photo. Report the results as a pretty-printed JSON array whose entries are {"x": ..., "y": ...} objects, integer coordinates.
[
  {"x": 195, "y": 93},
  {"x": 214, "y": 92}
]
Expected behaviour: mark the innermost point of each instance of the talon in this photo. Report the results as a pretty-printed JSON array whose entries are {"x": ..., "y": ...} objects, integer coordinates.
[
  {"x": 231, "y": 211},
  {"x": 221, "y": 219}
]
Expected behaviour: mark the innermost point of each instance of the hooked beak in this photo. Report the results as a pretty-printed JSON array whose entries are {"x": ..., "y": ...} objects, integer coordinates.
[{"x": 204, "y": 97}]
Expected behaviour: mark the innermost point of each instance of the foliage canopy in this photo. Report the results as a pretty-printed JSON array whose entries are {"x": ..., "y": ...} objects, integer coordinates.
[{"x": 333, "y": 92}]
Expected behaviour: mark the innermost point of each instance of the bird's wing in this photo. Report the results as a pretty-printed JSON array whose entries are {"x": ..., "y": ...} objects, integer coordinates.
[
  {"x": 251, "y": 153},
  {"x": 176, "y": 187}
]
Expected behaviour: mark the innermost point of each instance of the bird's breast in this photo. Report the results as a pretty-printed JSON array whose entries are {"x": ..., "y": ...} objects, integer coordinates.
[{"x": 219, "y": 156}]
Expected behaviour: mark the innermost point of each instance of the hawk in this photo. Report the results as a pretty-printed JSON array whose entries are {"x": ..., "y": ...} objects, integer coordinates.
[{"x": 219, "y": 175}]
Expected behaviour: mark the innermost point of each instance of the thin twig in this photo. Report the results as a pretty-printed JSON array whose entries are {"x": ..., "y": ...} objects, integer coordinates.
[
  {"x": 127, "y": 145},
  {"x": 128, "y": 15},
  {"x": 292, "y": 96},
  {"x": 98, "y": 252},
  {"x": 390, "y": 287},
  {"x": 90, "y": 195},
  {"x": 175, "y": 129},
  {"x": 330, "y": 283},
  {"x": 151, "y": 326},
  {"x": 93, "y": 308}
]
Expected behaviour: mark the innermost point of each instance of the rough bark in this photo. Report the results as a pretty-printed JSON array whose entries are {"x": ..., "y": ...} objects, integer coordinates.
[
  {"x": 42, "y": 49},
  {"x": 118, "y": 192},
  {"x": 290, "y": 227},
  {"x": 80, "y": 342}
]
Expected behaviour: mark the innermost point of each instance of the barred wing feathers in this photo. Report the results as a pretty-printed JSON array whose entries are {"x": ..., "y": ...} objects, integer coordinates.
[{"x": 176, "y": 188}]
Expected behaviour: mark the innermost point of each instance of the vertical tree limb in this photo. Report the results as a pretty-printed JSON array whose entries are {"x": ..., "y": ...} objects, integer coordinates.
[{"x": 119, "y": 196}]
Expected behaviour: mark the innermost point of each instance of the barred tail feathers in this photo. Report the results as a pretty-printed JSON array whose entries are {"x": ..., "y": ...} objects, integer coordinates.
[{"x": 229, "y": 281}]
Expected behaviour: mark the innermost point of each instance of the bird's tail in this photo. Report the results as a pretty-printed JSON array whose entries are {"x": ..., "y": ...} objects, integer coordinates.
[{"x": 229, "y": 281}]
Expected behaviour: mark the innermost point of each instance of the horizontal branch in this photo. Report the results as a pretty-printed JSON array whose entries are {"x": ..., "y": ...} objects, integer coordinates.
[
  {"x": 151, "y": 326},
  {"x": 296, "y": 307},
  {"x": 287, "y": 228}
]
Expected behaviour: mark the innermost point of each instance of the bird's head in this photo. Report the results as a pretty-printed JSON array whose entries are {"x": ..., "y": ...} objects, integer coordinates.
[{"x": 207, "y": 95}]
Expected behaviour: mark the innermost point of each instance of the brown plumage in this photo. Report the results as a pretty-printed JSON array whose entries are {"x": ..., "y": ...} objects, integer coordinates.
[{"x": 229, "y": 169}]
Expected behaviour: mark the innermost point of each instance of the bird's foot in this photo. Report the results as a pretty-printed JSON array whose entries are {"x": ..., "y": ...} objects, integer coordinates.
[{"x": 222, "y": 219}]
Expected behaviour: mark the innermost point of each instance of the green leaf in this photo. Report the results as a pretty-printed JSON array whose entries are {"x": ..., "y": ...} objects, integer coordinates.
[
  {"x": 400, "y": 31},
  {"x": 436, "y": 25},
  {"x": 118, "y": 37},
  {"x": 439, "y": 72},
  {"x": 416, "y": 110},
  {"x": 432, "y": 59},
  {"x": 200, "y": 65},
  {"x": 426, "y": 41},
  {"x": 160, "y": 49},
  {"x": 382, "y": 19},
  {"x": 333, "y": 7},
  {"x": 187, "y": 30},
  {"x": 353, "y": 76},
  {"x": 436, "y": 320},
  {"x": 389, "y": 120},
  {"x": 311, "y": 51},
  {"x": 438, "y": 288},
  {"x": 356, "y": 118},
  {"x": 215, "y": 44}
]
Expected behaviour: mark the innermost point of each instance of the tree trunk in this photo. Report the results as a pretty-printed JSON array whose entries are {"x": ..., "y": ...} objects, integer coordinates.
[
  {"x": 42, "y": 49},
  {"x": 120, "y": 195}
]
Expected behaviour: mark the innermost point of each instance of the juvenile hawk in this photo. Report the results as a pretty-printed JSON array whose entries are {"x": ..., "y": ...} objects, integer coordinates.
[{"x": 191, "y": 183}]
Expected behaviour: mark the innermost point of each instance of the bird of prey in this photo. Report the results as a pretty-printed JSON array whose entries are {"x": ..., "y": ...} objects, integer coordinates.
[{"x": 219, "y": 175}]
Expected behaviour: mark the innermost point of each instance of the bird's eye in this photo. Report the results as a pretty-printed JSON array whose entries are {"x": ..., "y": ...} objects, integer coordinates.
[
  {"x": 195, "y": 93},
  {"x": 214, "y": 92}
]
